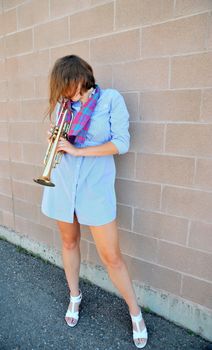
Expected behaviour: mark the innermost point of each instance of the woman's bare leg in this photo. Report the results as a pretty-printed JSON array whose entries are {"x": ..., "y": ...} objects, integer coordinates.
[
  {"x": 107, "y": 244},
  {"x": 70, "y": 237}
]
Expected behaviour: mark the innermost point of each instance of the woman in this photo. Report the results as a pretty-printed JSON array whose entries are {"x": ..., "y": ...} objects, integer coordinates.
[{"x": 84, "y": 180}]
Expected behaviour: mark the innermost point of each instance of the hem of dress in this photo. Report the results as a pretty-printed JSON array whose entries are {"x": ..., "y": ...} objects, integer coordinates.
[
  {"x": 57, "y": 218},
  {"x": 80, "y": 222},
  {"x": 89, "y": 224}
]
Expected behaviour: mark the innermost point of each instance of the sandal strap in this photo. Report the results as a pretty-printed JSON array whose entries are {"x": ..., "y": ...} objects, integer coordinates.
[
  {"x": 76, "y": 298},
  {"x": 75, "y": 314},
  {"x": 142, "y": 334},
  {"x": 137, "y": 318}
]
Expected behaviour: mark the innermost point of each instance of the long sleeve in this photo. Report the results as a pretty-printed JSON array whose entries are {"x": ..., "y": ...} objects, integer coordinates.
[{"x": 119, "y": 123}]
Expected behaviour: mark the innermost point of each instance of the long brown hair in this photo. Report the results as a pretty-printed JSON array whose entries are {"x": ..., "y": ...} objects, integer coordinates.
[{"x": 66, "y": 75}]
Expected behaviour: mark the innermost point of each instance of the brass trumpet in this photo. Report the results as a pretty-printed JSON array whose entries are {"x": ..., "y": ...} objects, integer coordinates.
[{"x": 52, "y": 158}]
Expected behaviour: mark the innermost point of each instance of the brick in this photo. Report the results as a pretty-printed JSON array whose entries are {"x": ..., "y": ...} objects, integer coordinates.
[
  {"x": 7, "y": 4},
  {"x": 159, "y": 225},
  {"x": 191, "y": 71},
  {"x": 197, "y": 290},
  {"x": 200, "y": 236},
  {"x": 51, "y": 33},
  {"x": 185, "y": 139},
  {"x": 138, "y": 246},
  {"x": 3, "y": 111},
  {"x": 153, "y": 275},
  {"x": 16, "y": 152},
  {"x": 2, "y": 47},
  {"x": 4, "y": 150},
  {"x": 209, "y": 37},
  {"x": 5, "y": 187},
  {"x": 24, "y": 172},
  {"x": 23, "y": 132},
  {"x": 187, "y": 7},
  {"x": 42, "y": 234},
  {"x": 45, "y": 220},
  {"x": 3, "y": 90},
  {"x": 34, "y": 153},
  {"x": 8, "y": 22},
  {"x": 5, "y": 168},
  {"x": 142, "y": 195},
  {"x": 103, "y": 75},
  {"x": 4, "y": 131},
  {"x": 33, "y": 64},
  {"x": 3, "y": 75},
  {"x": 203, "y": 176},
  {"x": 8, "y": 219},
  {"x": 170, "y": 105},
  {"x": 206, "y": 110},
  {"x": 153, "y": 74},
  {"x": 26, "y": 209},
  {"x": 125, "y": 166},
  {"x": 84, "y": 250},
  {"x": 21, "y": 88},
  {"x": 112, "y": 48},
  {"x": 147, "y": 137},
  {"x": 19, "y": 42},
  {"x": 136, "y": 12},
  {"x": 32, "y": 13},
  {"x": 124, "y": 216},
  {"x": 33, "y": 193},
  {"x": 81, "y": 49},
  {"x": 99, "y": 2},
  {"x": 132, "y": 103},
  {"x": 188, "y": 203},
  {"x": 13, "y": 110},
  {"x": 185, "y": 259},
  {"x": 6, "y": 203},
  {"x": 165, "y": 169},
  {"x": 63, "y": 7},
  {"x": 99, "y": 20},
  {"x": 19, "y": 190},
  {"x": 175, "y": 37},
  {"x": 35, "y": 231},
  {"x": 12, "y": 68},
  {"x": 33, "y": 109},
  {"x": 41, "y": 87},
  {"x": 93, "y": 256}
]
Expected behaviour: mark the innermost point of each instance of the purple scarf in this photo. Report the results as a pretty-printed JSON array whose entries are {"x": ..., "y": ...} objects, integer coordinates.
[{"x": 81, "y": 121}]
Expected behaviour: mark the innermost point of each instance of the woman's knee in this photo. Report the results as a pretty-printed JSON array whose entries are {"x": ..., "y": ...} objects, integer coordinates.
[
  {"x": 70, "y": 234},
  {"x": 70, "y": 244},
  {"x": 112, "y": 259}
]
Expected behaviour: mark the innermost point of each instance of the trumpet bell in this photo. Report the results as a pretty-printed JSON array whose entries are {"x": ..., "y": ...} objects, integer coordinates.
[{"x": 42, "y": 180}]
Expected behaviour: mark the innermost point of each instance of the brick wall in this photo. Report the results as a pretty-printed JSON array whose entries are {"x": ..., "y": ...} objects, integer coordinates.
[{"x": 158, "y": 54}]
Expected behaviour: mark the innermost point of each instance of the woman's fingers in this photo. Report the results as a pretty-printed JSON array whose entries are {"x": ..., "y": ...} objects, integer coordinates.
[{"x": 49, "y": 135}]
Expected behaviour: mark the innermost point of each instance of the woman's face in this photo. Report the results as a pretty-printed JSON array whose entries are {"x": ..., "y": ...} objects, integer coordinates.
[{"x": 77, "y": 95}]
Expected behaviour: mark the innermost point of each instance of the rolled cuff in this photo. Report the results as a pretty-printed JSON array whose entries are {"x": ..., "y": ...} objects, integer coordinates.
[{"x": 122, "y": 146}]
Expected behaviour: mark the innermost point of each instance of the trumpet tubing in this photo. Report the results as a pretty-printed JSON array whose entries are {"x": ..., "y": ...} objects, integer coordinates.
[{"x": 52, "y": 157}]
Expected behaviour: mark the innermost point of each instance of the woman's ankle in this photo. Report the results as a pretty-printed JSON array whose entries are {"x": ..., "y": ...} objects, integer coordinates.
[{"x": 74, "y": 292}]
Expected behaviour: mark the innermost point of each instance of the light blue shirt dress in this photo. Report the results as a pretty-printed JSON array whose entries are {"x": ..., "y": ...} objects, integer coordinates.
[{"x": 86, "y": 184}]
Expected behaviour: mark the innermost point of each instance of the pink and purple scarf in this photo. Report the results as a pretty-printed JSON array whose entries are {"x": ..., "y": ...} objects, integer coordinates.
[{"x": 82, "y": 119}]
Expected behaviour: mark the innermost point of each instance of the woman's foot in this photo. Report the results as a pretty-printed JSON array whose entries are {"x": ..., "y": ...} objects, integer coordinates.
[
  {"x": 72, "y": 314},
  {"x": 139, "y": 330}
]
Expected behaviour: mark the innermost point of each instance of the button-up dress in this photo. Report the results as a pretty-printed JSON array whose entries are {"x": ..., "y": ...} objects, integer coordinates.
[{"x": 86, "y": 184}]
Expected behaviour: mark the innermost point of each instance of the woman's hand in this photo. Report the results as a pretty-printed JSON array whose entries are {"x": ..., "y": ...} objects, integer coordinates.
[
  {"x": 49, "y": 133},
  {"x": 65, "y": 146}
]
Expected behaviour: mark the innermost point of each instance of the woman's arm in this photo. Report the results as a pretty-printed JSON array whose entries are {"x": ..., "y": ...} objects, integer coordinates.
[{"x": 100, "y": 150}]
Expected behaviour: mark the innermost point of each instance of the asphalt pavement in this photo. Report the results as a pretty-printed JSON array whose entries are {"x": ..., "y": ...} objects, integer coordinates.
[{"x": 34, "y": 298}]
